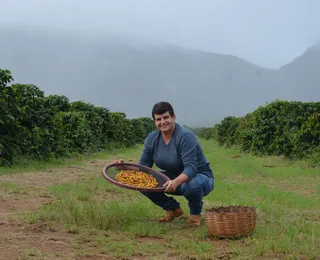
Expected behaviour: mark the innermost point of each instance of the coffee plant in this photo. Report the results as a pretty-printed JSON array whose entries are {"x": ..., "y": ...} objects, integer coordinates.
[
  {"x": 288, "y": 128},
  {"x": 41, "y": 127}
]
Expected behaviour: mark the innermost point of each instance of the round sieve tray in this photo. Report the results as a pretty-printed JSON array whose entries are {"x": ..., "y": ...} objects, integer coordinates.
[{"x": 110, "y": 171}]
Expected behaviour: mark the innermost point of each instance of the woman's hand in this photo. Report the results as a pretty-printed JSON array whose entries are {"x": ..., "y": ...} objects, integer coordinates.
[
  {"x": 171, "y": 186},
  {"x": 118, "y": 161}
]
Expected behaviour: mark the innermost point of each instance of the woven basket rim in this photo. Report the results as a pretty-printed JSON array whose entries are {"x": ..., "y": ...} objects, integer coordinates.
[{"x": 227, "y": 209}]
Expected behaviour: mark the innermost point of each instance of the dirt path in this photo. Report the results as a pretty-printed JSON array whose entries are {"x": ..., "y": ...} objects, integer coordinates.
[{"x": 22, "y": 193}]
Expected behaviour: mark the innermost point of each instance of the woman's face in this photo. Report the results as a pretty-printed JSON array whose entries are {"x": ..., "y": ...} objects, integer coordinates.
[{"x": 164, "y": 122}]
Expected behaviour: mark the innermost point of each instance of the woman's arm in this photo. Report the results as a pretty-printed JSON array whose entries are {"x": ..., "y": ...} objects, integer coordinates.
[
  {"x": 188, "y": 151},
  {"x": 146, "y": 158}
]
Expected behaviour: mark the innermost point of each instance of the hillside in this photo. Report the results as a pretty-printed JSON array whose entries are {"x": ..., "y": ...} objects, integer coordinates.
[
  {"x": 131, "y": 77},
  {"x": 304, "y": 71}
]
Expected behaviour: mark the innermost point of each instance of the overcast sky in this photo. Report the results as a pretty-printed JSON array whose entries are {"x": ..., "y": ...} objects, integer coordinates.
[{"x": 269, "y": 33}]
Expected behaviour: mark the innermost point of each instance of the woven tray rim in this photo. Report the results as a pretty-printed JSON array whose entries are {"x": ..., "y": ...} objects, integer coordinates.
[{"x": 126, "y": 186}]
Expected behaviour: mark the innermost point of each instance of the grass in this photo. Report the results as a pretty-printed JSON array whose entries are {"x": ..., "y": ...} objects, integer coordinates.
[
  {"x": 32, "y": 253},
  {"x": 122, "y": 223},
  {"x": 30, "y": 165}
]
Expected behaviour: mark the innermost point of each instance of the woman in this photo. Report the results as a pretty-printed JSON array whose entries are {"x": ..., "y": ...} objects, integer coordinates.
[{"x": 176, "y": 151}]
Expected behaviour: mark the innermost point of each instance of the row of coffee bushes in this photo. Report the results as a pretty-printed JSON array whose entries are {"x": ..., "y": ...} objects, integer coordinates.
[
  {"x": 40, "y": 127},
  {"x": 288, "y": 128}
]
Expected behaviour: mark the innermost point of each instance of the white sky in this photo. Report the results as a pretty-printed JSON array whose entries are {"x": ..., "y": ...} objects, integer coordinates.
[{"x": 269, "y": 33}]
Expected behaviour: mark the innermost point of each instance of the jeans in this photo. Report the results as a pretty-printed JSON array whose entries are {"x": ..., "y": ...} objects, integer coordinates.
[{"x": 193, "y": 190}]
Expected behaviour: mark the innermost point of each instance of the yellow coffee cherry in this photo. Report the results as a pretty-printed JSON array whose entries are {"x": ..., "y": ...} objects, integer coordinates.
[{"x": 136, "y": 178}]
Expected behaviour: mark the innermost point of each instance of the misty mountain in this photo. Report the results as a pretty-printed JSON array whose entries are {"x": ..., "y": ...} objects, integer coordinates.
[
  {"x": 129, "y": 76},
  {"x": 304, "y": 74}
]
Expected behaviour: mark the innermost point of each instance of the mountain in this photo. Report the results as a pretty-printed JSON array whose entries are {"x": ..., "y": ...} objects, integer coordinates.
[
  {"x": 128, "y": 76},
  {"x": 304, "y": 74}
]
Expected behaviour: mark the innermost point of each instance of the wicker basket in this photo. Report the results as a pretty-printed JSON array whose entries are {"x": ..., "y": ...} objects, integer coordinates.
[{"x": 231, "y": 221}]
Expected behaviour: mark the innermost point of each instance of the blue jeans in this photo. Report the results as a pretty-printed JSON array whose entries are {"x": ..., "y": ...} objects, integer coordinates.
[{"x": 193, "y": 190}]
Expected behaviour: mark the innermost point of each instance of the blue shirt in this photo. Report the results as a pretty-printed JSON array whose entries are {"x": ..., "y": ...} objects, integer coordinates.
[{"x": 183, "y": 154}]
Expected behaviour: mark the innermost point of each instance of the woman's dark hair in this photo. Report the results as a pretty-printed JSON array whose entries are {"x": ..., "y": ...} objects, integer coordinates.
[{"x": 161, "y": 108}]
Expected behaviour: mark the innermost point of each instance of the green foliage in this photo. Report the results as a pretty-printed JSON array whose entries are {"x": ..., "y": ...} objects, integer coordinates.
[
  {"x": 73, "y": 131},
  {"x": 226, "y": 131},
  {"x": 244, "y": 133},
  {"x": 8, "y": 123},
  {"x": 121, "y": 129},
  {"x": 41, "y": 127},
  {"x": 307, "y": 139},
  {"x": 277, "y": 125},
  {"x": 284, "y": 128},
  {"x": 57, "y": 103},
  {"x": 5, "y": 78},
  {"x": 207, "y": 132},
  {"x": 98, "y": 120},
  {"x": 142, "y": 126}
]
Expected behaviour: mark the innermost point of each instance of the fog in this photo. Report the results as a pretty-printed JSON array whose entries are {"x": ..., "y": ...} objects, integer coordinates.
[{"x": 267, "y": 33}]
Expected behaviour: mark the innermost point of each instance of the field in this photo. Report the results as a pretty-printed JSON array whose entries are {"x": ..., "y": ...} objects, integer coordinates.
[{"x": 66, "y": 210}]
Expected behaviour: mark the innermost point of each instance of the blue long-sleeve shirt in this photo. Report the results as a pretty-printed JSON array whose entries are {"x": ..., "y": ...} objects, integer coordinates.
[{"x": 183, "y": 154}]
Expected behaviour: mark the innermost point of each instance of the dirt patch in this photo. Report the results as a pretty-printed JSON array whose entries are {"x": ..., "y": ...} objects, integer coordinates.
[
  {"x": 44, "y": 179},
  {"x": 221, "y": 249},
  {"x": 307, "y": 186},
  {"x": 21, "y": 243},
  {"x": 11, "y": 205},
  {"x": 316, "y": 219},
  {"x": 297, "y": 189},
  {"x": 97, "y": 257},
  {"x": 24, "y": 240},
  {"x": 55, "y": 176},
  {"x": 307, "y": 189},
  {"x": 150, "y": 239},
  {"x": 21, "y": 240},
  {"x": 274, "y": 256},
  {"x": 268, "y": 166}
]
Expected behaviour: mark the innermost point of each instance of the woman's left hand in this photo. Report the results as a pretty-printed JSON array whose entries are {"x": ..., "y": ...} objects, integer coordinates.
[{"x": 171, "y": 186}]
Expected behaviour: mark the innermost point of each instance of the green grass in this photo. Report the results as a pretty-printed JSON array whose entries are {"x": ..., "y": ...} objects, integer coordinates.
[
  {"x": 14, "y": 190},
  {"x": 32, "y": 253},
  {"x": 122, "y": 223},
  {"x": 23, "y": 165},
  {"x": 9, "y": 187}
]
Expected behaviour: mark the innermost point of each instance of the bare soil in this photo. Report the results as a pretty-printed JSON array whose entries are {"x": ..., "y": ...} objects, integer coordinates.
[{"x": 21, "y": 240}]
